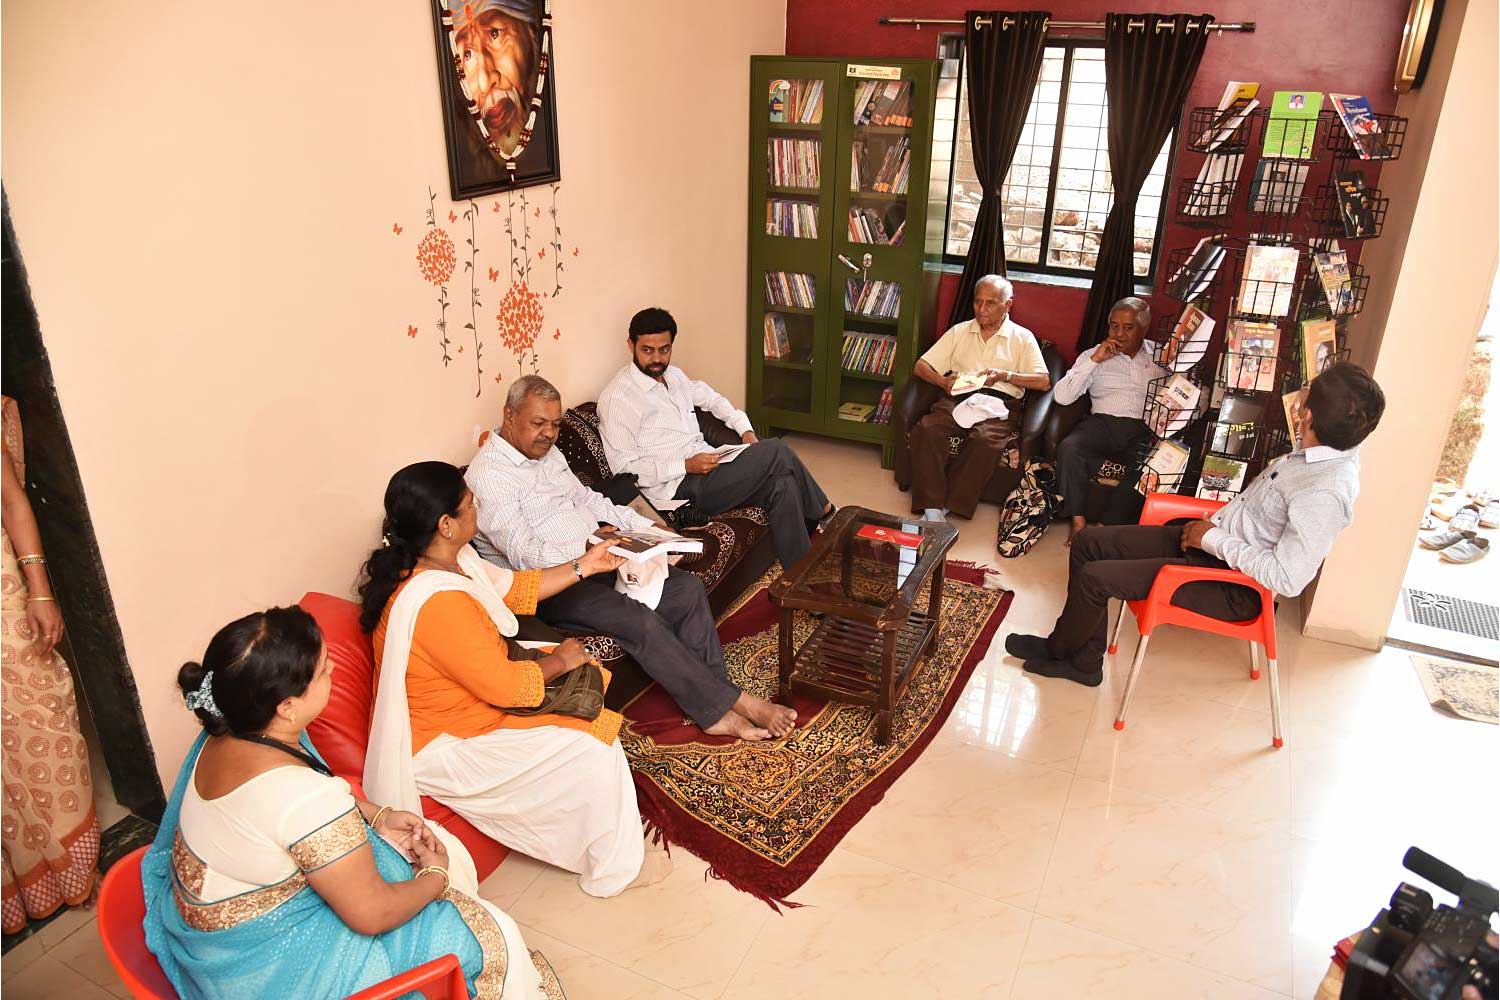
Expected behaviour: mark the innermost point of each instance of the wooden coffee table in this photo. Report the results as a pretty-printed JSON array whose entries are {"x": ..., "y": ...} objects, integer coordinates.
[{"x": 871, "y": 639}]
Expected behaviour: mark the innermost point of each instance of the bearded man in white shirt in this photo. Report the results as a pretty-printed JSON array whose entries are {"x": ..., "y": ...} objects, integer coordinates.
[
  {"x": 1009, "y": 357},
  {"x": 650, "y": 429}
]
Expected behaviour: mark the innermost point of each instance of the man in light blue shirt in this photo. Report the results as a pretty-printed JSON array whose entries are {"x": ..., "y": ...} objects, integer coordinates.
[
  {"x": 1276, "y": 532},
  {"x": 1116, "y": 375}
]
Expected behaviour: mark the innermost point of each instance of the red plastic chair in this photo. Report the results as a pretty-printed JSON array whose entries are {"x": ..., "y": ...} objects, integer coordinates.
[
  {"x": 1158, "y": 609},
  {"x": 122, "y": 911}
]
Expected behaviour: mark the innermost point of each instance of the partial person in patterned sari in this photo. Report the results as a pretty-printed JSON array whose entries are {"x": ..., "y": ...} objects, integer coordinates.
[
  {"x": 51, "y": 835},
  {"x": 269, "y": 877}
]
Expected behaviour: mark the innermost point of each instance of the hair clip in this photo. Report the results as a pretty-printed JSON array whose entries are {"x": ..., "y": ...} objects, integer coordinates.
[{"x": 204, "y": 697}]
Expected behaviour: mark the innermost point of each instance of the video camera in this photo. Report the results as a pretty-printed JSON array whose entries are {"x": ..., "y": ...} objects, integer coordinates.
[{"x": 1415, "y": 951}]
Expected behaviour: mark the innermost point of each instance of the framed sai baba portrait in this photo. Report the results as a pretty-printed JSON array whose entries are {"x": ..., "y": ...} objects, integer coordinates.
[{"x": 495, "y": 79}]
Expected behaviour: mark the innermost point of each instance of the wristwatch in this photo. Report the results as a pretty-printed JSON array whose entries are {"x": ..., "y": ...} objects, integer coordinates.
[{"x": 577, "y": 569}]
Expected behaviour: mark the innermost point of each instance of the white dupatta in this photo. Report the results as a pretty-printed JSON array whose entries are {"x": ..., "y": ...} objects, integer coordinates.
[{"x": 389, "y": 777}]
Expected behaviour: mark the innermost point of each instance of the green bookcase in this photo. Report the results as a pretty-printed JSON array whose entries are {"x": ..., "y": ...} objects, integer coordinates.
[{"x": 804, "y": 144}]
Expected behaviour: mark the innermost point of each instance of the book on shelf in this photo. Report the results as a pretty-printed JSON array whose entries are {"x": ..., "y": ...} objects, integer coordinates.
[
  {"x": 777, "y": 344},
  {"x": 1213, "y": 192},
  {"x": 1166, "y": 461},
  {"x": 1249, "y": 360},
  {"x": 794, "y": 163},
  {"x": 884, "y": 103},
  {"x": 1235, "y": 105},
  {"x": 790, "y": 288},
  {"x": 1320, "y": 343},
  {"x": 871, "y": 353},
  {"x": 1292, "y": 125},
  {"x": 1333, "y": 274},
  {"x": 1189, "y": 340},
  {"x": 866, "y": 225},
  {"x": 889, "y": 176},
  {"x": 878, "y": 533},
  {"x": 1267, "y": 282},
  {"x": 1234, "y": 431},
  {"x": 1362, "y": 125},
  {"x": 1221, "y": 478},
  {"x": 1198, "y": 271},
  {"x": 875, "y": 298},
  {"x": 1354, "y": 205},
  {"x": 856, "y": 411},
  {"x": 640, "y": 544},
  {"x": 1291, "y": 409},
  {"x": 882, "y": 414},
  {"x": 791, "y": 218},
  {"x": 1277, "y": 186},
  {"x": 1174, "y": 407}
]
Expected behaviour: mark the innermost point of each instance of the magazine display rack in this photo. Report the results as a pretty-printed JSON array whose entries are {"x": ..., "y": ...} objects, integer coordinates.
[
  {"x": 839, "y": 161},
  {"x": 1285, "y": 197}
]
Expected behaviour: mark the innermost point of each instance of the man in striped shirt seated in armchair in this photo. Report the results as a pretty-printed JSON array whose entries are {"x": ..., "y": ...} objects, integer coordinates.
[{"x": 1276, "y": 532}]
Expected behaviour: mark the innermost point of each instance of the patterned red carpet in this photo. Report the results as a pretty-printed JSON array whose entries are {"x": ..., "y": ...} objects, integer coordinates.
[{"x": 765, "y": 815}]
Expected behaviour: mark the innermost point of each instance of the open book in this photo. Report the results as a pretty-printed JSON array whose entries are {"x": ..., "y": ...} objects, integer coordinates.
[
  {"x": 966, "y": 382},
  {"x": 641, "y": 544}
]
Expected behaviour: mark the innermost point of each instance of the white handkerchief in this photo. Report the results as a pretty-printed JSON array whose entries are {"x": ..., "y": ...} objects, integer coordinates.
[
  {"x": 979, "y": 407},
  {"x": 643, "y": 581}
]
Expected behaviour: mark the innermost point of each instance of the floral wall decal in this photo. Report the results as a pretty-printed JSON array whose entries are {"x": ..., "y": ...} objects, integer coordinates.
[{"x": 520, "y": 315}]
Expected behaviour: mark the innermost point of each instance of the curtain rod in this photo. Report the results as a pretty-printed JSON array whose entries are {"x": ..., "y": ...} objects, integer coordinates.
[{"x": 1244, "y": 26}]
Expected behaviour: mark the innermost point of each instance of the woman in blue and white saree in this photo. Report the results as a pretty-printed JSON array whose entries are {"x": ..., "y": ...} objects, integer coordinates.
[{"x": 268, "y": 877}]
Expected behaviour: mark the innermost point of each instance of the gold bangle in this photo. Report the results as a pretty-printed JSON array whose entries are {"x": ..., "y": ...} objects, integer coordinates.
[
  {"x": 375, "y": 822},
  {"x": 53, "y": 599},
  {"x": 440, "y": 870},
  {"x": 30, "y": 560}
]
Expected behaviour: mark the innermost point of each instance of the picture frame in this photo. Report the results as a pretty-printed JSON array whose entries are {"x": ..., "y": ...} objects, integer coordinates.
[{"x": 496, "y": 84}]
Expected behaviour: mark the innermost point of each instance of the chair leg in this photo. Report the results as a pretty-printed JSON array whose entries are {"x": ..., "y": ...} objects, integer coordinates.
[
  {"x": 1275, "y": 683},
  {"x": 1135, "y": 672},
  {"x": 1254, "y": 663},
  {"x": 1114, "y": 635}
]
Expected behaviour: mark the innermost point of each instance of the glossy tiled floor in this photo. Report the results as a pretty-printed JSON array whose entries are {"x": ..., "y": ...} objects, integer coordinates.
[{"x": 1035, "y": 852}]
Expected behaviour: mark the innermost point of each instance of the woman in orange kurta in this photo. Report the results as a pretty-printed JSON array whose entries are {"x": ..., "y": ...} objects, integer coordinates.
[{"x": 555, "y": 786}]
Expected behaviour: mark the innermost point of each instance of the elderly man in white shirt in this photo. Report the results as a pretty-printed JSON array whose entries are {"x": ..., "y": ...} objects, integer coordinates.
[
  {"x": 649, "y": 428},
  {"x": 1011, "y": 360},
  {"x": 1116, "y": 375},
  {"x": 534, "y": 513}
]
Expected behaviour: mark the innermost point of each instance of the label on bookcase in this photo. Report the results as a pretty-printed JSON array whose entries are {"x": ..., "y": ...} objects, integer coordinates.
[{"x": 873, "y": 72}]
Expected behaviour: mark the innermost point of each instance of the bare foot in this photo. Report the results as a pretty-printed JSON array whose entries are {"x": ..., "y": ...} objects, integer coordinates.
[
  {"x": 779, "y": 719},
  {"x": 1074, "y": 527},
  {"x": 654, "y": 868},
  {"x": 736, "y": 725}
]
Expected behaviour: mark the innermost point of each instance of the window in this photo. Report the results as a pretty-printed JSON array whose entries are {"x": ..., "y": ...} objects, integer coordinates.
[{"x": 1057, "y": 194}]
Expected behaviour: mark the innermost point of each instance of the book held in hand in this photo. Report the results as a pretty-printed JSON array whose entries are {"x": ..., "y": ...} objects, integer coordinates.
[
  {"x": 1166, "y": 462},
  {"x": 1293, "y": 124},
  {"x": 1221, "y": 478},
  {"x": 640, "y": 544},
  {"x": 1268, "y": 279},
  {"x": 1189, "y": 340},
  {"x": 1362, "y": 125},
  {"x": 1319, "y": 346}
]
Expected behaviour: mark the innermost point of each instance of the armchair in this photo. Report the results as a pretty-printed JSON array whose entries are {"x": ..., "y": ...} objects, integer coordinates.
[{"x": 916, "y": 397}]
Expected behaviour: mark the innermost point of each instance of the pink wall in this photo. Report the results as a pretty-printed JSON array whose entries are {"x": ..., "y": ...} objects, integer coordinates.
[{"x": 1345, "y": 46}]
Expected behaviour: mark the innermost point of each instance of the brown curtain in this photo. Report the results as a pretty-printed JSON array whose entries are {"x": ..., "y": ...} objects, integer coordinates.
[
  {"x": 1148, "y": 69},
  {"x": 1004, "y": 58}
]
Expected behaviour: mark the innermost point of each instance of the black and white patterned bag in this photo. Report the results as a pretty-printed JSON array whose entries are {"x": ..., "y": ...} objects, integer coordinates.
[{"x": 1028, "y": 510}]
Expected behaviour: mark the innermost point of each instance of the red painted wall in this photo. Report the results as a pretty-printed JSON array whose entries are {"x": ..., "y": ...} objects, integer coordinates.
[{"x": 1344, "y": 46}]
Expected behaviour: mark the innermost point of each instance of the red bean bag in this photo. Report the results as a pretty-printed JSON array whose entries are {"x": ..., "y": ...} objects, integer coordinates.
[{"x": 342, "y": 732}]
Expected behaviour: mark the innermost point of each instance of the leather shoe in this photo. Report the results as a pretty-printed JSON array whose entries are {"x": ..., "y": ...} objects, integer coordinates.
[
  {"x": 1026, "y": 647},
  {"x": 1065, "y": 670}
]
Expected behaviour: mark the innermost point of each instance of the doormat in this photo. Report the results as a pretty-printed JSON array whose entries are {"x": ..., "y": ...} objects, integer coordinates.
[
  {"x": 1468, "y": 691},
  {"x": 1453, "y": 614}
]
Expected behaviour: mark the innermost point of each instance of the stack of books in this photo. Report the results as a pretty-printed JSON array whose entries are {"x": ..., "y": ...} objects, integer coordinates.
[
  {"x": 777, "y": 345},
  {"x": 883, "y": 102},
  {"x": 872, "y": 353},
  {"x": 880, "y": 299},
  {"x": 794, "y": 162},
  {"x": 798, "y": 102},
  {"x": 790, "y": 288},
  {"x": 860, "y": 412},
  {"x": 892, "y": 174},
  {"x": 791, "y": 218},
  {"x": 866, "y": 226}
]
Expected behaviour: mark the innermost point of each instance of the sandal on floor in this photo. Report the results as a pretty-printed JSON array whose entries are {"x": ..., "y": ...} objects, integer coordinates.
[
  {"x": 1443, "y": 539},
  {"x": 1489, "y": 515},
  {"x": 1429, "y": 523},
  {"x": 1467, "y": 518},
  {"x": 1471, "y": 549},
  {"x": 1446, "y": 507}
]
